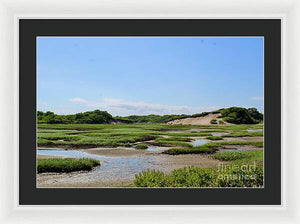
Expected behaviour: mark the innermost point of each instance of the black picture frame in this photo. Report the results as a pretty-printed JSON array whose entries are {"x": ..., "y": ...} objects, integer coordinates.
[{"x": 29, "y": 29}]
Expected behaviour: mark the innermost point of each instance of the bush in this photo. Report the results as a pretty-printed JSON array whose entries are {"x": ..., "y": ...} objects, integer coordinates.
[
  {"x": 236, "y": 115},
  {"x": 151, "y": 178},
  {"x": 221, "y": 122},
  {"x": 245, "y": 171},
  {"x": 201, "y": 177},
  {"x": 89, "y": 117},
  {"x": 65, "y": 165},
  {"x": 239, "y": 115},
  {"x": 141, "y": 146},
  {"x": 213, "y": 121}
]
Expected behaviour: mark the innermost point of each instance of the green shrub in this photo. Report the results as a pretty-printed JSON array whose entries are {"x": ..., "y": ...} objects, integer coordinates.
[
  {"x": 201, "y": 177},
  {"x": 151, "y": 178},
  {"x": 252, "y": 176},
  {"x": 65, "y": 165},
  {"x": 240, "y": 115},
  {"x": 244, "y": 170},
  {"x": 237, "y": 115},
  {"x": 221, "y": 122},
  {"x": 141, "y": 146},
  {"x": 213, "y": 121}
]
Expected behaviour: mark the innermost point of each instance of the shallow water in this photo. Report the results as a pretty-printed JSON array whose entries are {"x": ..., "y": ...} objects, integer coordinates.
[
  {"x": 233, "y": 150},
  {"x": 254, "y": 130},
  {"x": 67, "y": 153},
  {"x": 117, "y": 171},
  {"x": 152, "y": 148},
  {"x": 111, "y": 167},
  {"x": 198, "y": 142}
]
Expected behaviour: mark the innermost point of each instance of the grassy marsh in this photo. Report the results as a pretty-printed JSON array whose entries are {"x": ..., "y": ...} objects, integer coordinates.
[
  {"x": 126, "y": 135},
  {"x": 65, "y": 165}
]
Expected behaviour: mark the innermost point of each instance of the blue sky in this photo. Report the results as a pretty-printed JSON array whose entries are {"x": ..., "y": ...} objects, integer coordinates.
[{"x": 126, "y": 76}]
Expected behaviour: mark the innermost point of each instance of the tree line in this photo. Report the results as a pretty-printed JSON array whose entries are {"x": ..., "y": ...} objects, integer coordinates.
[{"x": 235, "y": 115}]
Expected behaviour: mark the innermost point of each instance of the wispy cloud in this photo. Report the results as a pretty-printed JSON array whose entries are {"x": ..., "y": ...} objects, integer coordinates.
[
  {"x": 256, "y": 98},
  {"x": 79, "y": 100},
  {"x": 123, "y": 108}
]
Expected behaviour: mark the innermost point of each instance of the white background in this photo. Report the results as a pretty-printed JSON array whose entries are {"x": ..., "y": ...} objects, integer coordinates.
[{"x": 11, "y": 10}]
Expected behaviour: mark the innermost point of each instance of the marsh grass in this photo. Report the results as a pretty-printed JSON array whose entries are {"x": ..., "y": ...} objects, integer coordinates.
[
  {"x": 209, "y": 148},
  {"x": 65, "y": 165},
  {"x": 193, "y": 150},
  {"x": 167, "y": 143},
  {"x": 141, "y": 146},
  {"x": 210, "y": 177},
  {"x": 244, "y": 134},
  {"x": 229, "y": 156},
  {"x": 175, "y": 138},
  {"x": 114, "y": 135}
]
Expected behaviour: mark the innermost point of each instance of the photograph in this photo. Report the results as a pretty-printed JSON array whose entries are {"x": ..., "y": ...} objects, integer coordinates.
[{"x": 150, "y": 112}]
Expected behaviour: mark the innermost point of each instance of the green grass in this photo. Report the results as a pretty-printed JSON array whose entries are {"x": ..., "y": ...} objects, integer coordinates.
[
  {"x": 175, "y": 138},
  {"x": 245, "y": 170},
  {"x": 193, "y": 150},
  {"x": 230, "y": 156},
  {"x": 244, "y": 134},
  {"x": 209, "y": 147},
  {"x": 166, "y": 142},
  {"x": 240, "y": 143},
  {"x": 126, "y": 135},
  {"x": 221, "y": 122},
  {"x": 189, "y": 134},
  {"x": 141, "y": 146},
  {"x": 65, "y": 165}
]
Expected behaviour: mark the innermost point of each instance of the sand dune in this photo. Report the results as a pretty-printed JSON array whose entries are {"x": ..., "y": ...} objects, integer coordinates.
[{"x": 197, "y": 120}]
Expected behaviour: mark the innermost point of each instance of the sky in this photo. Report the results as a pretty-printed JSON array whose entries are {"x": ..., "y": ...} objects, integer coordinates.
[{"x": 149, "y": 75}]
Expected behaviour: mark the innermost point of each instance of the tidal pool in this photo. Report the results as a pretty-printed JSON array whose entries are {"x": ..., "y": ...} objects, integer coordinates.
[
  {"x": 111, "y": 167},
  {"x": 152, "y": 148},
  {"x": 198, "y": 142},
  {"x": 233, "y": 150},
  {"x": 217, "y": 134}
]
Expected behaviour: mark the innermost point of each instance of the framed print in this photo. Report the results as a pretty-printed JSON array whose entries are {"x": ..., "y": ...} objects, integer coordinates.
[{"x": 160, "y": 111}]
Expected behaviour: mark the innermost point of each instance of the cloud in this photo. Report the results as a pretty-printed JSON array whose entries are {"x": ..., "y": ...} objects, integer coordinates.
[
  {"x": 256, "y": 98},
  {"x": 123, "y": 108},
  {"x": 78, "y": 100}
]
